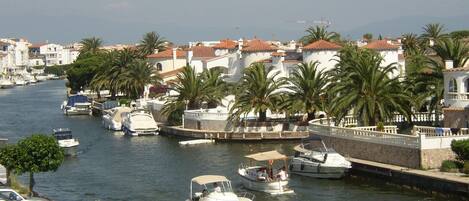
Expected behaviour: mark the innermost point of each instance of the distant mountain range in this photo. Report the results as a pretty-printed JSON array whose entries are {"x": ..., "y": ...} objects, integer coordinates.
[{"x": 396, "y": 27}]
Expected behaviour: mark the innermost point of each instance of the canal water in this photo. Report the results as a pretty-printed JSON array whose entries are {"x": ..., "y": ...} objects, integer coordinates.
[{"x": 114, "y": 167}]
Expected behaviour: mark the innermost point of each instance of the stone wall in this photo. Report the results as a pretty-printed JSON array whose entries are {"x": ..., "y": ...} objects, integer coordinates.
[
  {"x": 388, "y": 154},
  {"x": 212, "y": 125},
  {"x": 432, "y": 158}
]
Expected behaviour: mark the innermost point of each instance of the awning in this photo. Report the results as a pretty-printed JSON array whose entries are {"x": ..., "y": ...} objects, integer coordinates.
[
  {"x": 207, "y": 179},
  {"x": 265, "y": 156}
]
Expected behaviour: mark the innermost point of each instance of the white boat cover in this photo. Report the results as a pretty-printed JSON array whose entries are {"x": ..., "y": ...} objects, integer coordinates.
[
  {"x": 207, "y": 179},
  {"x": 265, "y": 156}
]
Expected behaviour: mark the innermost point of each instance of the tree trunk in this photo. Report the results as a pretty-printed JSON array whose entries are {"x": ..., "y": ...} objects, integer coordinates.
[
  {"x": 262, "y": 116},
  {"x": 8, "y": 176},
  {"x": 311, "y": 115},
  {"x": 31, "y": 183}
]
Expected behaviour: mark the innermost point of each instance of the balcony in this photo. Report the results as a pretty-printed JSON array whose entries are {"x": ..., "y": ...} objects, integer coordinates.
[{"x": 458, "y": 96}]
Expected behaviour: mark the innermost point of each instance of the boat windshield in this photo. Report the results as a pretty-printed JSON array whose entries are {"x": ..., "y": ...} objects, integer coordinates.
[
  {"x": 76, "y": 99},
  {"x": 63, "y": 136},
  {"x": 315, "y": 145},
  {"x": 10, "y": 196}
]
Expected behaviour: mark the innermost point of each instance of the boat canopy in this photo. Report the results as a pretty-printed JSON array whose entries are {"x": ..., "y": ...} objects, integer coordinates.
[
  {"x": 117, "y": 115},
  {"x": 208, "y": 179},
  {"x": 265, "y": 156},
  {"x": 76, "y": 99}
]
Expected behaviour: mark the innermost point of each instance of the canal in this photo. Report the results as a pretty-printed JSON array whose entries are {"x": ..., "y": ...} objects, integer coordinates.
[{"x": 114, "y": 167}]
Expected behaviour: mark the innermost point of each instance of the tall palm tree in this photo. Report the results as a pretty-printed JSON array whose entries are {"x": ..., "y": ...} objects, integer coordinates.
[
  {"x": 307, "y": 85},
  {"x": 452, "y": 49},
  {"x": 433, "y": 32},
  {"x": 189, "y": 87},
  {"x": 91, "y": 45},
  {"x": 259, "y": 91},
  {"x": 410, "y": 43},
  {"x": 365, "y": 86},
  {"x": 319, "y": 33},
  {"x": 138, "y": 75},
  {"x": 214, "y": 87},
  {"x": 152, "y": 41}
]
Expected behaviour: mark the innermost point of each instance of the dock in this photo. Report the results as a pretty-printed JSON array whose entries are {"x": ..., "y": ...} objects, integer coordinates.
[{"x": 433, "y": 182}]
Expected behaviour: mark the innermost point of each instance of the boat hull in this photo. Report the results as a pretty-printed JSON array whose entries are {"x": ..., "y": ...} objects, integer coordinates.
[
  {"x": 109, "y": 124},
  {"x": 130, "y": 132},
  {"x": 7, "y": 86},
  {"x": 304, "y": 167},
  {"x": 273, "y": 187},
  {"x": 73, "y": 111}
]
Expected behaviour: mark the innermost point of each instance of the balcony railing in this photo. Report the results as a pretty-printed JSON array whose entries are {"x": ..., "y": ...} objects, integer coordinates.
[{"x": 458, "y": 96}]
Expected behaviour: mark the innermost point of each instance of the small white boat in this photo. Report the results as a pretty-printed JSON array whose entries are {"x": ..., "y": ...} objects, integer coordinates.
[
  {"x": 215, "y": 188},
  {"x": 41, "y": 78},
  {"x": 20, "y": 82},
  {"x": 138, "y": 123},
  {"x": 66, "y": 141},
  {"x": 266, "y": 178},
  {"x": 76, "y": 105},
  {"x": 194, "y": 142},
  {"x": 314, "y": 159},
  {"x": 112, "y": 119},
  {"x": 6, "y": 84}
]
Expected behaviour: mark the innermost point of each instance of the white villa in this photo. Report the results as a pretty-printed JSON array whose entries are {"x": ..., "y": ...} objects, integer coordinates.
[
  {"x": 456, "y": 83},
  {"x": 391, "y": 53},
  {"x": 14, "y": 54},
  {"x": 56, "y": 54}
]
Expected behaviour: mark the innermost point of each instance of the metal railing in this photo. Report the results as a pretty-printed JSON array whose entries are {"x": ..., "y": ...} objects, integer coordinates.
[{"x": 458, "y": 96}]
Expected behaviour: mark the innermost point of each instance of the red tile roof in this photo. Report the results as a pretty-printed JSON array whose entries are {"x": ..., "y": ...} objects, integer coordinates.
[
  {"x": 257, "y": 45},
  {"x": 226, "y": 44},
  {"x": 381, "y": 45},
  {"x": 322, "y": 45},
  {"x": 37, "y": 45},
  {"x": 168, "y": 54},
  {"x": 203, "y": 51}
]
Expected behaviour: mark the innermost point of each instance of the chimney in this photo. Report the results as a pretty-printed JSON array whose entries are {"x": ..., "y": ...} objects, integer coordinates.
[
  {"x": 449, "y": 64},
  {"x": 240, "y": 44},
  {"x": 174, "y": 57},
  {"x": 190, "y": 54}
]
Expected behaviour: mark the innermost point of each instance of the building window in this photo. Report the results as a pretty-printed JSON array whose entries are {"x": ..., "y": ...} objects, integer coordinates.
[
  {"x": 159, "y": 67},
  {"x": 60, "y": 61},
  {"x": 453, "y": 86}
]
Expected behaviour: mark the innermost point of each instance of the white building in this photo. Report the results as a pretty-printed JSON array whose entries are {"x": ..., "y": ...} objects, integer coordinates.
[
  {"x": 456, "y": 96},
  {"x": 390, "y": 54},
  {"x": 323, "y": 52},
  {"x": 14, "y": 54},
  {"x": 56, "y": 54},
  {"x": 168, "y": 63}
]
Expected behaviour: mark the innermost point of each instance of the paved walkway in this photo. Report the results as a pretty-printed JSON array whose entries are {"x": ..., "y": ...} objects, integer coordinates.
[{"x": 453, "y": 177}]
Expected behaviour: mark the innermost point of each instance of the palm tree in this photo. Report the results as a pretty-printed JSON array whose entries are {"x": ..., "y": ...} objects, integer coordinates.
[
  {"x": 189, "y": 87},
  {"x": 258, "y": 91},
  {"x": 319, "y": 33},
  {"x": 138, "y": 75},
  {"x": 364, "y": 86},
  {"x": 410, "y": 43},
  {"x": 307, "y": 85},
  {"x": 91, "y": 45},
  {"x": 215, "y": 89},
  {"x": 433, "y": 32},
  {"x": 152, "y": 41},
  {"x": 452, "y": 49}
]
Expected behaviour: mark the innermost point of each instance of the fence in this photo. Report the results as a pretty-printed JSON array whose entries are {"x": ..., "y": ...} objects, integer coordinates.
[{"x": 397, "y": 118}]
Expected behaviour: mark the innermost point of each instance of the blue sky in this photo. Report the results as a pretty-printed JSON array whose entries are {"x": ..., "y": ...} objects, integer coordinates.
[{"x": 125, "y": 21}]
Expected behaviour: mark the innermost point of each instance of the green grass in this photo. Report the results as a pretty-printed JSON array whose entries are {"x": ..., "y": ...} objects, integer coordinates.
[{"x": 17, "y": 186}]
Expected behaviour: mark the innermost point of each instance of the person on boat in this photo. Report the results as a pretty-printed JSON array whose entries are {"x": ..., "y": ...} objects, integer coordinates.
[
  {"x": 262, "y": 175},
  {"x": 282, "y": 174},
  {"x": 216, "y": 188}
]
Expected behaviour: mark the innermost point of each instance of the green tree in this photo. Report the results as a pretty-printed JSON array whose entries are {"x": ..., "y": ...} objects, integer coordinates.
[
  {"x": 214, "y": 87},
  {"x": 82, "y": 71},
  {"x": 433, "y": 32},
  {"x": 259, "y": 91},
  {"x": 90, "y": 45},
  {"x": 319, "y": 33},
  {"x": 410, "y": 43},
  {"x": 452, "y": 49},
  {"x": 368, "y": 36},
  {"x": 152, "y": 41},
  {"x": 363, "y": 85},
  {"x": 138, "y": 75},
  {"x": 461, "y": 34},
  {"x": 9, "y": 156},
  {"x": 307, "y": 85},
  {"x": 38, "y": 153}
]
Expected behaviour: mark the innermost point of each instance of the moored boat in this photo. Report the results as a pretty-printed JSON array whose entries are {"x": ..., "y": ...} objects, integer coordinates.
[
  {"x": 112, "y": 119},
  {"x": 138, "y": 122},
  {"x": 6, "y": 84},
  {"x": 198, "y": 141},
  {"x": 269, "y": 178},
  {"x": 215, "y": 188},
  {"x": 66, "y": 141},
  {"x": 314, "y": 159},
  {"x": 76, "y": 105}
]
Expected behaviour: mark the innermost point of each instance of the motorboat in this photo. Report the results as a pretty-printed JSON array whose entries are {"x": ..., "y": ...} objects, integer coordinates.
[
  {"x": 139, "y": 122},
  {"x": 41, "y": 78},
  {"x": 52, "y": 77},
  {"x": 198, "y": 141},
  {"x": 215, "y": 188},
  {"x": 66, "y": 141},
  {"x": 76, "y": 105},
  {"x": 112, "y": 119},
  {"x": 314, "y": 159},
  {"x": 6, "y": 84},
  {"x": 9, "y": 194},
  {"x": 264, "y": 174},
  {"x": 20, "y": 82}
]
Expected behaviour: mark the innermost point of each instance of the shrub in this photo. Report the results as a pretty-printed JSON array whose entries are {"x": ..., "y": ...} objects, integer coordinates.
[
  {"x": 465, "y": 169},
  {"x": 449, "y": 166},
  {"x": 461, "y": 149}
]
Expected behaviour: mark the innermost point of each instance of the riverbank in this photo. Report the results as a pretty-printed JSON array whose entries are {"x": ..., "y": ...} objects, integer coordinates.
[{"x": 448, "y": 185}]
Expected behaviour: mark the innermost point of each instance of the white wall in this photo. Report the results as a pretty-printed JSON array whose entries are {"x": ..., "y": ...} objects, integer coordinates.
[
  {"x": 326, "y": 58},
  {"x": 251, "y": 57},
  {"x": 389, "y": 57},
  {"x": 168, "y": 64}
]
